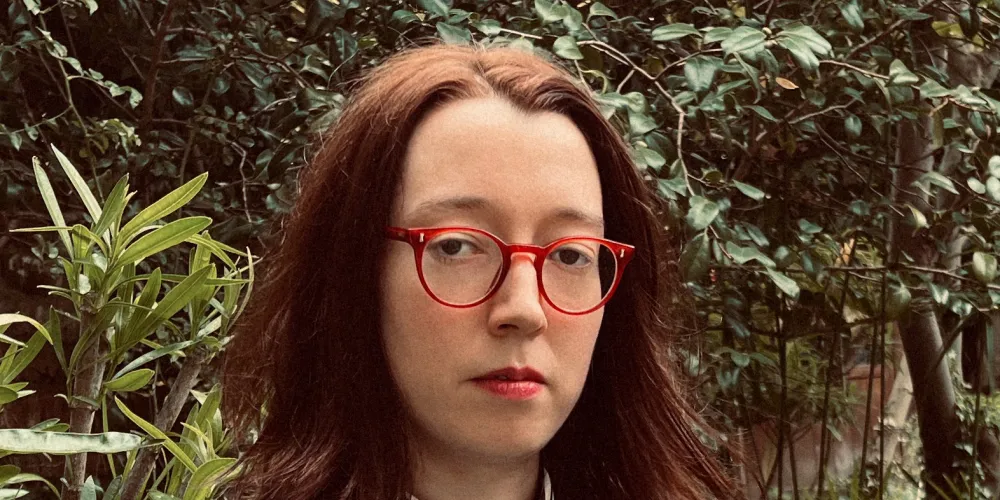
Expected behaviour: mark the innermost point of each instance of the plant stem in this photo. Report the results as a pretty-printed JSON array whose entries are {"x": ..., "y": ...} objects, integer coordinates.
[
  {"x": 165, "y": 419},
  {"x": 87, "y": 383}
]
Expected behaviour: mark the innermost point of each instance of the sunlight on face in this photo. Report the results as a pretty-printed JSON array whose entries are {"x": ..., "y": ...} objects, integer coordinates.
[{"x": 527, "y": 178}]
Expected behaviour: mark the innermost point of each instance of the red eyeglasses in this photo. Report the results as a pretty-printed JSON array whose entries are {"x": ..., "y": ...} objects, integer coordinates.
[{"x": 464, "y": 266}]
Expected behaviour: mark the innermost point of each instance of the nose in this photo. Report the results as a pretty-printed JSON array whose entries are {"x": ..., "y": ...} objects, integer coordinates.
[{"x": 517, "y": 306}]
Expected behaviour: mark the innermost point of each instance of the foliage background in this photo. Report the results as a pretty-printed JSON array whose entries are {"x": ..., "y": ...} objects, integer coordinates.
[{"x": 830, "y": 168}]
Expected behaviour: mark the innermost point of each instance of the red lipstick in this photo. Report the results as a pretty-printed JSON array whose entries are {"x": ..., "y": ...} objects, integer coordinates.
[{"x": 516, "y": 384}]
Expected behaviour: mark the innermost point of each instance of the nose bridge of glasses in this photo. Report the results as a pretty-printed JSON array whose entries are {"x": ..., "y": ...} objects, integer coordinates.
[{"x": 535, "y": 254}]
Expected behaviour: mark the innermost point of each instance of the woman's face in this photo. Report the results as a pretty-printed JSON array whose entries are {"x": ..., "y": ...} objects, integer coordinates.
[{"x": 528, "y": 179}]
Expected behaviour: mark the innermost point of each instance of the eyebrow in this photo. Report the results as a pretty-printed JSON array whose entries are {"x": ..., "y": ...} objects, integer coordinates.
[{"x": 443, "y": 206}]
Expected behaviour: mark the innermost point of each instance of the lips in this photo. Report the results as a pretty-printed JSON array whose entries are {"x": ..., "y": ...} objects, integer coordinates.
[{"x": 512, "y": 374}]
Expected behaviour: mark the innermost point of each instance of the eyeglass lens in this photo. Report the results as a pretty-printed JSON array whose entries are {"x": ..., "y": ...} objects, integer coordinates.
[{"x": 462, "y": 267}]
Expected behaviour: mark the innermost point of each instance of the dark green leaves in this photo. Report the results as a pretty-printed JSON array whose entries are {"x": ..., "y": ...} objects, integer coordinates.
[
  {"x": 744, "y": 40},
  {"x": 565, "y": 47},
  {"x": 183, "y": 96},
  {"x": 598, "y": 9},
  {"x": 695, "y": 258},
  {"x": 453, "y": 34},
  {"x": 439, "y": 8},
  {"x": 700, "y": 72},
  {"x": 984, "y": 267},
  {"x": 750, "y": 191},
  {"x": 804, "y": 44},
  {"x": 703, "y": 211},
  {"x": 899, "y": 74},
  {"x": 852, "y": 125},
  {"x": 673, "y": 32}
]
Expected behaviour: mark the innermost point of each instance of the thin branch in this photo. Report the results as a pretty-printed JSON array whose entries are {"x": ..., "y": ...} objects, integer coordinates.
[
  {"x": 822, "y": 112},
  {"x": 681, "y": 115},
  {"x": 892, "y": 27},
  {"x": 158, "y": 44}
]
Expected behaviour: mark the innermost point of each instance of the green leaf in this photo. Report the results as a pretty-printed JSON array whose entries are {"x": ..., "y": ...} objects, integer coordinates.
[
  {"x": 454, "y": 34},
  {"x": 439, "y": 8},
  {"x": 161, "y": 239},
  {"x": 700, "y": 72},
  {"x": 976, "y": 185},
  {"x": 9, "y": 319},
  {"x": 909, "y": 13},
  {"x": 51, "y": 204},
  {"x": 598, "y": 9},
  {"x": 897, "y": 301},
  {"x": 807, "y": 36},
  {"x": 750, "y": 191},
  {"x": 993, "y": 188},
  {"x": 740, "y": 359},
  {"x": 565, "y": 47},
  {"x": 809, "y": 227},
  {"x": 163, "y": 207},
  {"x": 548, "y": 11},
  {"x": 89, "y": 491},
  {"x": 993, "y": 166},
  {"x": 930, "y": 89},
  {"x": 695, "y": 258},
  {"x": 221, "y": 84},
  {"x": 762, "y": 112},
  {"x": 640, "y": 123},
  {"x": 131, "y": 381},
  {"x": 899, "y": 74},
  {"x": 703, "y": 211},
  {"x": 7, "y": 472},
  {"x": 93, "y": 208},
  {"x": 489, "y": 27},
  {"x": 203, "y": 480},
  {"x": 154, "y": 354},
  {"x": 673, "y": 32},
  {"x": 158, "y": 434},
  {"x": 7, "y": 395},
  {"x": 66, "y": 443},
  {"x": 183, "y": 96},
  {"x": 938, "y": 180},
  {"x": 938, "y": 293},
  {"x": 114, "y": 206},
  {"x": 801, "y": 52},
  {"x": 852, "y": 16},
  {"x": 176, "y": 299},
  {"x": 717, "y": 35},
  {"x": 984, "y": 267},
  {"x": 917, "y": 218},
  {"x": 649, "y": 158},
  {"x": 742, "y": 255},
  {"x": 787, "y": 285},
  {"x": 23, "y": 359},
  {"x": 852, "y": 125},
  {"x": 744, "y": 40}
]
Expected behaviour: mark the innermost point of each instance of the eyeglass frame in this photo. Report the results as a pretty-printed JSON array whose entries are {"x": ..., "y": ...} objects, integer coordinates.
[{"x": 418, "y": 238}]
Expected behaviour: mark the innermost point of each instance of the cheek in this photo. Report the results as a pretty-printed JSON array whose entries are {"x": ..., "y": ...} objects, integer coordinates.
[
  {"x": 578, "y": 347},
  {"x": 414, "y": 328}
]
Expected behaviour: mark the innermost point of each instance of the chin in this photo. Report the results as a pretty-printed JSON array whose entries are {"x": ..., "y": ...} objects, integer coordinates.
[{"x": 509, "y": 443}]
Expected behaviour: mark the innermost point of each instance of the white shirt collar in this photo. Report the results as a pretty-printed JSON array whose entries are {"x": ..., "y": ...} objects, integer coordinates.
[{"x": 546, "y": 493}]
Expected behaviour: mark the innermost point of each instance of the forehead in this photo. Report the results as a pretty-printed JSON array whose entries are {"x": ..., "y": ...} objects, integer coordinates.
[{"x": 524, "y": 167}]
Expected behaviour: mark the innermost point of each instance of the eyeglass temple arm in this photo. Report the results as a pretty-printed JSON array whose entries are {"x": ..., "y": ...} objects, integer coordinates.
[{"x": 397, "y": 233}]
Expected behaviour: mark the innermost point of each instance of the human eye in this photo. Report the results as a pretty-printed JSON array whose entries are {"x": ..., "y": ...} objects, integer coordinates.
[
  {"x": 455, "y": 247},
  {"x": 573, "y": 255}
]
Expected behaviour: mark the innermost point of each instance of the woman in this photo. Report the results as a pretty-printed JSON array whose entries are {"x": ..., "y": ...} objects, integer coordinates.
[{"x": 463, "y": 303}]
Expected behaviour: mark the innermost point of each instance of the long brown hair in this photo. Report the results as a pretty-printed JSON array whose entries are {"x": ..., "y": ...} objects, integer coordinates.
[{"x": 310, "y": 349}]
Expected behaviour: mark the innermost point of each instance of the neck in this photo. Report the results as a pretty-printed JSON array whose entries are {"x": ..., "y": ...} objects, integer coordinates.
[{"x": 442, "y": 476}]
